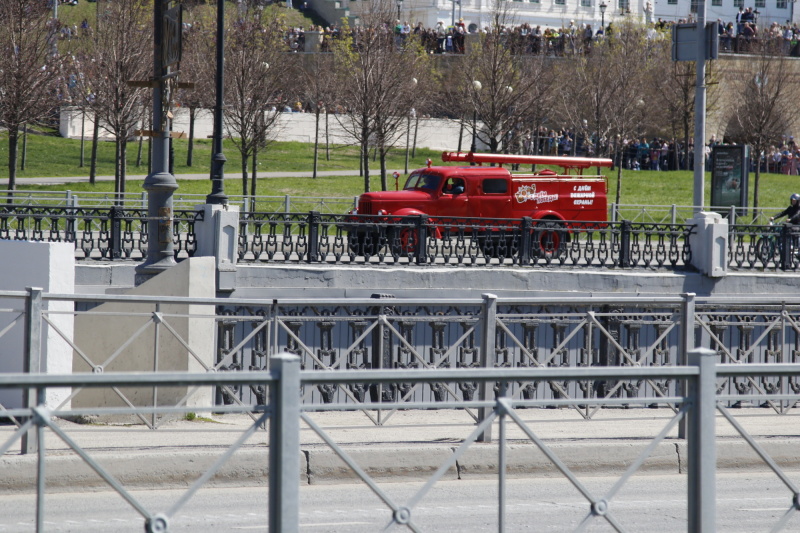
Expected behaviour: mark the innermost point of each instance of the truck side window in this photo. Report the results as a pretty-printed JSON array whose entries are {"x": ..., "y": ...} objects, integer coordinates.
[
  {"x": 454, "y": 186},
  {"x": 495, "y": 186}
]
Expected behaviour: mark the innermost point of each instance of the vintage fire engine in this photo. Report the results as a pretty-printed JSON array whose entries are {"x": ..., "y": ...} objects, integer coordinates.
[{"x": 551, "y": 199}]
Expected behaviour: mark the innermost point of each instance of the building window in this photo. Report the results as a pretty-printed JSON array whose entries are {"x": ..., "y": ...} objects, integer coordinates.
[
  {"x": 738, "y": 3},
  {"x": 672, "y": 2},
  {"x": 717, "y": 3},
  {"x": 586, "y": 3},
  {"x": 694, "y": 6},
  {"x": 761, "y": 3},
  {"x": 561, "y": 2},
  {"x": 534, "y": 1},
  {"x": 781, "y": 4},
  {"x": 624, "y": 6}
]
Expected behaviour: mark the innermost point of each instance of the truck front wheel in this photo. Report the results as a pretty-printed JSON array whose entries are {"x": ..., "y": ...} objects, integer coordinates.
[
  {"x": 404, "y": 241},
  {"x": 361, "y": 243}
]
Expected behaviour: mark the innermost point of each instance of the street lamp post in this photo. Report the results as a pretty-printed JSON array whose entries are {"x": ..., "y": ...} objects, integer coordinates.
[
  {"x": 217, "y": 195},
  {"x": 160, "y": 184},
  {"x": 476, "y": 86},
  {"x": 603, "y": 8},
  {"x": 399, "y": 6}
]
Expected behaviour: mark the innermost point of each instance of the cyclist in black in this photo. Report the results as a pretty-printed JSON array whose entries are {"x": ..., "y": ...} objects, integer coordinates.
[{"x": 792, "y": 213}]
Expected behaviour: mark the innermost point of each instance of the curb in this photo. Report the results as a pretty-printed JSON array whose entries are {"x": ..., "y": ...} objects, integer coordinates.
[{"x": 249, "y": 465}]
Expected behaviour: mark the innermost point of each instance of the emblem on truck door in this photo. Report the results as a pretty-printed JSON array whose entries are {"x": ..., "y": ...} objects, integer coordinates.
[{"x": 528, "y": 193}]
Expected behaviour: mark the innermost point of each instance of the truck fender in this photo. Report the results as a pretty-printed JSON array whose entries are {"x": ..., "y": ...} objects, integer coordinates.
[
  {"x": 437, "y": 231},
  {"x": 546, "y": 214}
]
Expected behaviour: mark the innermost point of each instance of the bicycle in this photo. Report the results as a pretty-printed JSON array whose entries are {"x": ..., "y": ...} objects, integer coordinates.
[{"x": 771, "y": 243}]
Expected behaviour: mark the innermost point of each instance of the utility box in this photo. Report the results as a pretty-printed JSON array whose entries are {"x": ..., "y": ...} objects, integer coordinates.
[{"x": 709, "y": 243}]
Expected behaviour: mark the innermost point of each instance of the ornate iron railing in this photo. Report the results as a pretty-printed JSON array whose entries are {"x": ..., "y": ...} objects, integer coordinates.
[
  {"x": 768, "y": 247},
  {"x": 369, "y": 239},
  {"x": 97, "y": 233},
  {"x": 120, "y": 233}
]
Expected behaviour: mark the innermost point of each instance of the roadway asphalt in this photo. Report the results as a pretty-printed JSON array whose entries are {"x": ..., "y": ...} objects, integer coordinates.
[
  {"x": 410, "y": 445},
  {"x": 21, "y": 182}
]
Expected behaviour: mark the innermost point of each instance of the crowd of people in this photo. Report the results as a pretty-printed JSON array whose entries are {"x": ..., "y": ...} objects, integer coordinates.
[{"x": 444, "y": 38}]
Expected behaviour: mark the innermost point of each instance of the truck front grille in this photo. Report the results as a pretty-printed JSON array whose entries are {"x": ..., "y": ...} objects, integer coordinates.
[{"x": 365, "y": 207}]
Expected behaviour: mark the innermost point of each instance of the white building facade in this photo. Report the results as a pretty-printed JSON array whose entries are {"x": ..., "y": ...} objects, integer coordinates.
[
  {"x": 478, "y": 13},
  {"x": 559, "y": 13}
]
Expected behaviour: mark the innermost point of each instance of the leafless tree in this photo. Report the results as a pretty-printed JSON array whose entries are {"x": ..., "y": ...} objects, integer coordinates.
[
  {"x": 606, "y": 89},
  {"x": 314, "y": 73},
  {"x": 379, "y": 77},
  {"x": 256, "y": 68},
  {"x": 197, "y": 72},
  {"x": 121, "y": 55},
  {"x": 500, "y": 94},
  {"x": 31, "y": 75},
  {"x": 671, "y": 95},
  {"x": 765, "y": 107}
]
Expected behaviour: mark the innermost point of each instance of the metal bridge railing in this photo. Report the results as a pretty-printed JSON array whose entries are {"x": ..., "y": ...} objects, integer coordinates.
[
  {"x": 283, "y": 411},
  {"x": 112, "y": 233},
  {"x": 645, "y": 240},
  {"x": 154, "y": 333},
  {"x": 420, "y": 240}
]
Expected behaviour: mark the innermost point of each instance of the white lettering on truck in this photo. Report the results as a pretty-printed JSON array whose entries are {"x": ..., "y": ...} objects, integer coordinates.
[{"x": 528, "y": 192}]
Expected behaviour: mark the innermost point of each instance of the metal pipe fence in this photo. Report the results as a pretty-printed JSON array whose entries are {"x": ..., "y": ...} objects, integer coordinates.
[
  {"x": 340, "y": 335},
  {"x": 283, "y": 411},
  {"x": 659, "y": 214},
  {"x": 128, "y": 200}
]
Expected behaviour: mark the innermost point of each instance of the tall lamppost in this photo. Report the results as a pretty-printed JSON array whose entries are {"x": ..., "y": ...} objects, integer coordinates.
[
  {"x": 476, "y": 86},
  {"x": 399, "y": 6},
  {"x": 603, "y": 8},
  {"x": 160, "y": 184},
  {"x": 217, "y": 195}
]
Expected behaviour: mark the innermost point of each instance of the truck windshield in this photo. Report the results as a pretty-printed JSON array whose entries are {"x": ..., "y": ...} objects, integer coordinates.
[{"x": 423, "y": 181}]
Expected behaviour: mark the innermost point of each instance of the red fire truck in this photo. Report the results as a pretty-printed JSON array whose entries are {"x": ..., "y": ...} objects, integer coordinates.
[{"x": 493, "y": 192}]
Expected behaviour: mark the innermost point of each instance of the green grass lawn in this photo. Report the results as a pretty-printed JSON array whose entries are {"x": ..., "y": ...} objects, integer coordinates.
[{"x": 50, "y": 155}]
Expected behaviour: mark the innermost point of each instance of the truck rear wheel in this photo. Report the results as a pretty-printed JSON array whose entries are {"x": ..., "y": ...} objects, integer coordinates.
[{"x": 550, "y": 239}]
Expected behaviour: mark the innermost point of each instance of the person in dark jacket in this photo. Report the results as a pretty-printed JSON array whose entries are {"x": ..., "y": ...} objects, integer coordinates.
[{"x": 792, "y": 213}]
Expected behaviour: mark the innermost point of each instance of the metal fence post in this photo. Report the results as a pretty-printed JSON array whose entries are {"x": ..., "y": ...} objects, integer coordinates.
[
  {"x": 284, "y": 444},
  {"x": 72, "y": 203},
  {"x": 786, "y": 247},
  {"x": 701, "y": 443},
  {"x": 525, "y": 241},
  {"x": 687, "y": 343},
  {"x": 625, "y": 244},
  {"x": 421, "y": 250},
  {"x": 287, "y": 204},
  {"x": 314, "y": 220},
  {"x": 673, "y": 214},
  {"x": 614, "y": 212},
  {"x": 486, "y": 388},
  {"x": 115, "y": 221},
  {"x": 32, "y": 358}
]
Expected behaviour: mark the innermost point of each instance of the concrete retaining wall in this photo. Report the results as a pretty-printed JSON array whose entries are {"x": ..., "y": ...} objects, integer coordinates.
[
  {"x": 50, "y": 267},
  {"x": 103, "y": 332}
]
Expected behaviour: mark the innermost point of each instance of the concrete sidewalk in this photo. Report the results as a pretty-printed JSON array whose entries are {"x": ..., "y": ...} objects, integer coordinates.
[{"x": 411, "y": 445}]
